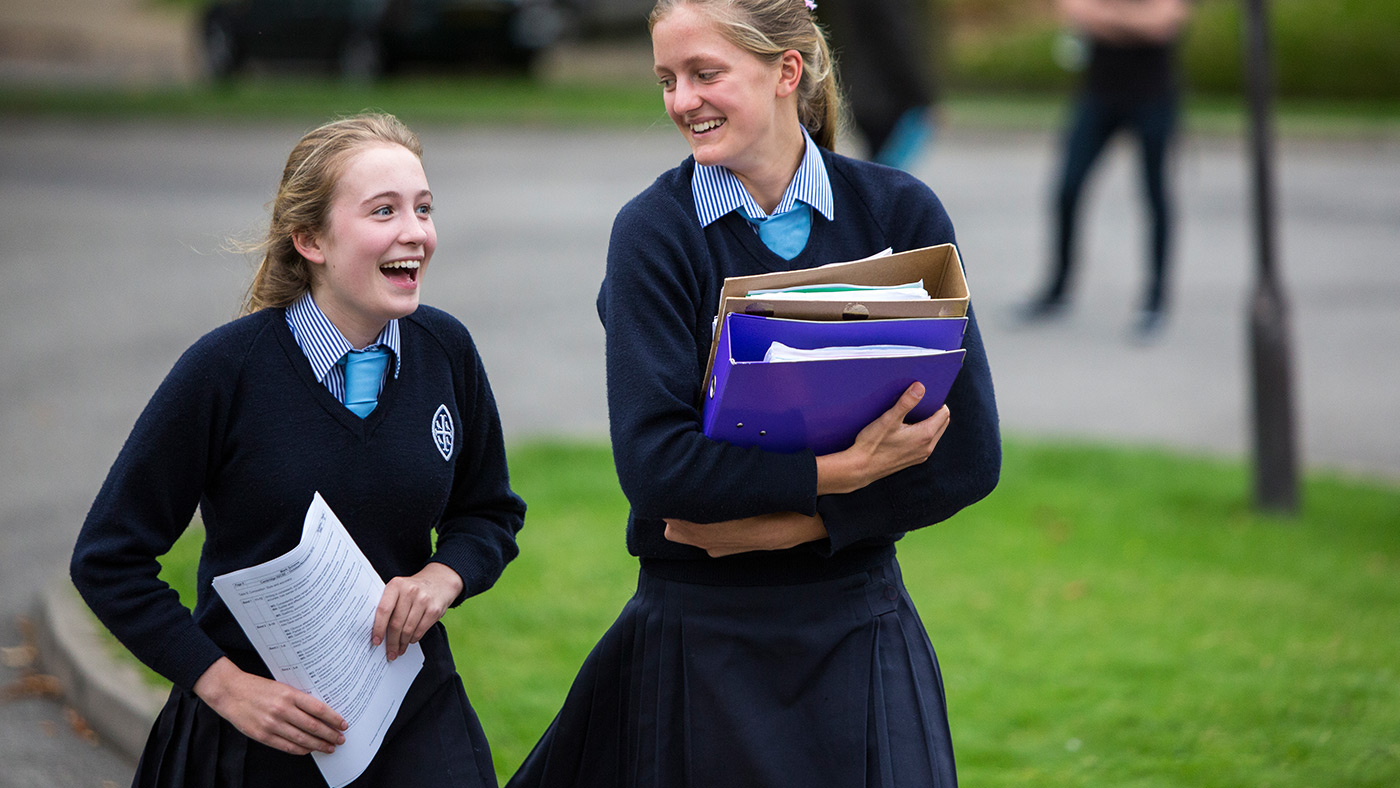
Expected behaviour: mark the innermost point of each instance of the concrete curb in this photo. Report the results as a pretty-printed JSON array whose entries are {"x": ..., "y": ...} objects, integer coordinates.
[{"x": 113, "y": 697}]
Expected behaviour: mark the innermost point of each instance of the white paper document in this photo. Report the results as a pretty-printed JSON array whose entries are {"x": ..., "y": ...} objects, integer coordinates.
[
  {"x": 779, "y": 353},
  {"x": 309, "y": 613},
  {"x": 913, "y": 291}
]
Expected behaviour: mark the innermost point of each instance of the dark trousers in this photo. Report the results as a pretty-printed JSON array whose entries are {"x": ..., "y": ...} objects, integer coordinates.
[{"x": 1096, "y": 120}]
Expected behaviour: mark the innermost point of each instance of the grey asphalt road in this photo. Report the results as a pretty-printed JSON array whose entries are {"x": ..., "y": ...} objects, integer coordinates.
[{"x": 112, "y": 238}]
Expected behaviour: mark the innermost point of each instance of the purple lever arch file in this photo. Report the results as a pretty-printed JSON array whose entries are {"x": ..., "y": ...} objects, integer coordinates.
[{"x": 822, "y": 405}]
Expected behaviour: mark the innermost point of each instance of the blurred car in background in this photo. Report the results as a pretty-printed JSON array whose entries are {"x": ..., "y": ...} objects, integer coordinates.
[{"x": 364, "y": 39}]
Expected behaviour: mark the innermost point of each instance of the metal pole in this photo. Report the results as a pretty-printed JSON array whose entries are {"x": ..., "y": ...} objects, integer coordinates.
[{"x": 1276, "y": 476}]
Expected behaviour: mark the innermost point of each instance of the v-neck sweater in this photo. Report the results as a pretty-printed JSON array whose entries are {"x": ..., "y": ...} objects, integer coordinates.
[
  {"x": 657, "y": 304},
  {"x": 241, "y": 429}
]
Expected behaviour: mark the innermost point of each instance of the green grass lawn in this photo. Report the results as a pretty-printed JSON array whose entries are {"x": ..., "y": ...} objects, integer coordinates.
[{"x": 1108, "y": 617}]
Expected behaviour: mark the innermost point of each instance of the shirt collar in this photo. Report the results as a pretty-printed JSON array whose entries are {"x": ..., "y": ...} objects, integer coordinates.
[
  {"x": 718, "y": 191},
  {"x": 323, "y": 343}
]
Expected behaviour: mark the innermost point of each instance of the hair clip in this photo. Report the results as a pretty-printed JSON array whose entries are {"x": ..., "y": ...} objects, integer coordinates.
[{"x": 811, "y": 4}]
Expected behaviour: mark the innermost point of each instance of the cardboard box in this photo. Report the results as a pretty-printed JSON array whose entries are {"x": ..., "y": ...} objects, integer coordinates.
[{"x": 938, "y": 266}]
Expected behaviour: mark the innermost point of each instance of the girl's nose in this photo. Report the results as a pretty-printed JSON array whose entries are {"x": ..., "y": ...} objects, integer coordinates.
[
  {"x": 414, "y": 230},
  {"x": 685, "y": 98}
]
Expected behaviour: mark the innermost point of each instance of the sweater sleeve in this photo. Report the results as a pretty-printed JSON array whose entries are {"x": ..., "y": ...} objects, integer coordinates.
[
  {"x": 966, "y": 464},
  {"x": 476, "y": 536},
  {"x": 649, "y": 307},
  {"x": 146, "y": 502}
]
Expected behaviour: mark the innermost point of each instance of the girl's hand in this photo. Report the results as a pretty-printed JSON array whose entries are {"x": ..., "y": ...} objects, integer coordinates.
[
  {"x": 885, "y": 446},
  {"x": 411, "y": 605},
  {"x": 764, "y": 532},
  {"x": 269, "y": 711}
]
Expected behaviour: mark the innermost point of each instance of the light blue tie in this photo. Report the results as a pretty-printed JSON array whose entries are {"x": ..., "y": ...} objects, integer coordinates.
[
  {"x": 364, "y": 370},
  {"x": 784, "y": 233}
]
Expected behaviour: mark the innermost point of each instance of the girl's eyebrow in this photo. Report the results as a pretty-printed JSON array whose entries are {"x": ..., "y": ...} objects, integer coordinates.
[
  {"x": 384, "y": 195},
  {"x": 691, "y": 62},
  {"x": 391, "y": 194}
]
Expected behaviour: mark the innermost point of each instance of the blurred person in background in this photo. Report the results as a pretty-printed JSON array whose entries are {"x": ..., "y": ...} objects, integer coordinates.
[
  {"x": 1131, "y": 81},
  {"x": 884, "y": 50}
]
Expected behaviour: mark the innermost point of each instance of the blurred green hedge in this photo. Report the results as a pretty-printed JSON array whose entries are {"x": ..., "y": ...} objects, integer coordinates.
[{"x": 1338, "y": 49}]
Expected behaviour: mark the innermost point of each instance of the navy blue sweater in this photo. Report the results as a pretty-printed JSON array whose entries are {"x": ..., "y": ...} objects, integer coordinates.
[
  {"x": 242, "y": 429},
  {"x": 657, "y": 304}
]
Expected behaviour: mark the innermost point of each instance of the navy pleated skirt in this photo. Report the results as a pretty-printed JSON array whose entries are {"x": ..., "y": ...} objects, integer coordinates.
[
  {"x": 435, "y": 740},
  {"x": 832, "y": 683}
]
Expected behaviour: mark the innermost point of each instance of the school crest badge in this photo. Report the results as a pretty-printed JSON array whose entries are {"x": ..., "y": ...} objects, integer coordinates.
[{"x": 443, "y": 432}]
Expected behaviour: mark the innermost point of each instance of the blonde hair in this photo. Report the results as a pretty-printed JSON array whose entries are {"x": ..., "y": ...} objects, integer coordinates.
[
  {"x": 767, "y": 29},
  {"x": 304, "y": 198}
]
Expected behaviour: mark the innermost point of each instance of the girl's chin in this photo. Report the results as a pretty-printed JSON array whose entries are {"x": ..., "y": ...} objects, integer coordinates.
[
  {"x": 402, "y": 305},
  {"x": 708, "y": 155}
]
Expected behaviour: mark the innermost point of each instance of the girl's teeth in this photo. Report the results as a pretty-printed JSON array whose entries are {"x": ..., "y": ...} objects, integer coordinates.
[
  {"x": 706, "y": 126},
  {"x": 410, "y": 264}
]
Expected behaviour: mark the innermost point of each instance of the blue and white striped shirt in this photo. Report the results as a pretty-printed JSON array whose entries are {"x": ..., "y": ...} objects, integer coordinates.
[
  {"x": 718, "y": 191},
  {"x": 324, "y": 345}
]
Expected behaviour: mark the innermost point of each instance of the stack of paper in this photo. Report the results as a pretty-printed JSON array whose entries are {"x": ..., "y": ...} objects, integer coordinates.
[
  {"x": 840, "y": 291},
  {"x": 779, "y": 353}
]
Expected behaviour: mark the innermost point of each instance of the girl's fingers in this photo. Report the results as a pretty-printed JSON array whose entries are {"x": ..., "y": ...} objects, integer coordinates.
[
  {"x": 289, "y": 746},
  {"x": 325, "y": 722},
  {"x": 404, "y": 635},
  {"x": 907, "y": 401},
  {"x": 305, "y": 725},
  {"x": 410, "y": 615},
  {"x": 938, "y": 421},
  {"x": 383, "y": 613},
  {"x": 411, "y": 605}
]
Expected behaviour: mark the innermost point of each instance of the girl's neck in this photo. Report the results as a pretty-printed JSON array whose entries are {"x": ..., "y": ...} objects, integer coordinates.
[
  {"x": 769, "y": 178},
  {"x": 359, "y": 333}
]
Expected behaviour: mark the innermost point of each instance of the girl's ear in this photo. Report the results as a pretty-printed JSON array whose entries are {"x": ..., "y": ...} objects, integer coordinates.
[
  {"x": 308, "y": 246},
  {"x": 789, "y": 73}
]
